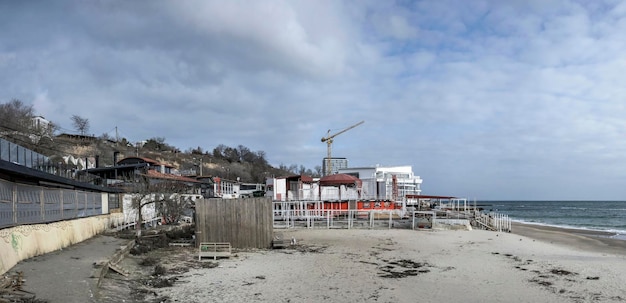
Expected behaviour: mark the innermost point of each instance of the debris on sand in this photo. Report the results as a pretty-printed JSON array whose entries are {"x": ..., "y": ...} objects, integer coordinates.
[
  {"x": 148, "y": 261},
  {"x": 11, "y": 290},
  {"x": 562, "y": 272},
  {"x": 309, "y": 248},
  {"x": 407, "y": 268}
]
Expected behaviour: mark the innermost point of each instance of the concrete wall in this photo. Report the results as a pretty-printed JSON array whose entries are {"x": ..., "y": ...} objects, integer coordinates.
[{"x": 27, "y": 241}]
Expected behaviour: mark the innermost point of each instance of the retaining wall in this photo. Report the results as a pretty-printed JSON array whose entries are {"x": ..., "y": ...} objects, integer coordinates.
[{"x": 26, "y": 241}]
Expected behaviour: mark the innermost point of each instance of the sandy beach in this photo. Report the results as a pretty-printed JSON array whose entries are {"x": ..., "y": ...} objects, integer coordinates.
[
  {"x": 415, "y": 266},
  {"x": 532, "y": 264}
]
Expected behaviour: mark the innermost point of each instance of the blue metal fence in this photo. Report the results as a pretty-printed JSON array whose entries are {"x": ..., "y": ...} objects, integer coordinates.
[{"x": 28, "y": 204}]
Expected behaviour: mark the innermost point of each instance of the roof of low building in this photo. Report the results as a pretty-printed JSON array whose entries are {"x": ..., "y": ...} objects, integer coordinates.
[
  {"x": 303, "y": 178},
  {"x": 155, "y": 174},
  {"x": 340, "y": 179},
  {"x": 132, "y": 160},
  {"x": 19, "y": 173}
]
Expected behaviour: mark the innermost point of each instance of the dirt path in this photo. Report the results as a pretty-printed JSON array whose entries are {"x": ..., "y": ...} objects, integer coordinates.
[{"x": 68, "y": 275}]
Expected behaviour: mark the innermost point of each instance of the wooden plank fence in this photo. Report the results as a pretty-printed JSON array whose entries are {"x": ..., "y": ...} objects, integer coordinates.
[{"x": 244, "y": 223}]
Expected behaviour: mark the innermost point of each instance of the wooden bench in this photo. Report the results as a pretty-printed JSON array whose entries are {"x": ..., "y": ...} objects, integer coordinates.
[{"x": 214, "y": 250}]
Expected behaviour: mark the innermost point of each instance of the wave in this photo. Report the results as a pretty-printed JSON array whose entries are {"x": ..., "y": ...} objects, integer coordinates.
[
  {"x": 619, "y": 237},
  {"x": 617, "y": 232}
]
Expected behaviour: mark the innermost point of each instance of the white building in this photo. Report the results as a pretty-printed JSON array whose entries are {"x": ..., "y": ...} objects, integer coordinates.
[
  {"x": 378, "y": 182},
  {"x": 42, "y": 125},
  {"x": 225, "y": 189},
  {"x": 292, "y": 188}
]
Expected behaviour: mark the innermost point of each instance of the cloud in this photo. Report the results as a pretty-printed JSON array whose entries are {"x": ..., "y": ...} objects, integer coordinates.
[{"x": 492, "y": 99}]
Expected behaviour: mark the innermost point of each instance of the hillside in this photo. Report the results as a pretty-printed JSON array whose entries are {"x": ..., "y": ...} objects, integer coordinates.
[
  {"x": 225, "y": 162},
  {"x": 17, "y": 124}
]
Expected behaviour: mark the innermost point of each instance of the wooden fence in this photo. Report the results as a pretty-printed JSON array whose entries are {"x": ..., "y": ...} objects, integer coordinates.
[{"x": 244, "y": 223}]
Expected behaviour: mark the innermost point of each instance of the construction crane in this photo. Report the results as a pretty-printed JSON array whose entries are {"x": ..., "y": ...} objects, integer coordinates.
[{"x": 329, "y": 141}]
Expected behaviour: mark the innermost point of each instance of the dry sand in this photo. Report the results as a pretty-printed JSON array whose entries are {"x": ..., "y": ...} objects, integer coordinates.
[
  {"x": 532, "y": 264},
  {"x": 415, "y": 266}
]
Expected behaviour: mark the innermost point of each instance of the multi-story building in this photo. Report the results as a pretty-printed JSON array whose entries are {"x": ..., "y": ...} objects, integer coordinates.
[
  {"x": 371, "y": 183},
  {"x": 386, "y": 183},
  {"x": 335, "y": 165}
]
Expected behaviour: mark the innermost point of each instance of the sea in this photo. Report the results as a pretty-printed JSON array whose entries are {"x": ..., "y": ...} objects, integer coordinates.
[{"x": 609, "y": 216}]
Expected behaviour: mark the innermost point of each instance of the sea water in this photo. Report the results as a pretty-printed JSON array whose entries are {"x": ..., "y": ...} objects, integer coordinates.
[{"x": 607, "y": 216}]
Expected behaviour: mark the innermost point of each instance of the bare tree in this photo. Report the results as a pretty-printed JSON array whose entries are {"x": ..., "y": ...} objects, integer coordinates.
[
  {"x": 318, "y": 171},
  {"x": 164, "y": 194},
  {"x": 19, "y": 124},
  {"x": 231, "y": 154},
  {"x": 159, "y": 144},
  {"x": 16, "y": 116},
  {"x": 218, "y": 151},
  {"x": 293, "y": 168},
  {"x": 81, "y": 124}
]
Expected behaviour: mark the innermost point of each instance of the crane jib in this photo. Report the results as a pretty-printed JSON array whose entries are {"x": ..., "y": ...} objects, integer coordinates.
[{"x": 329, "y": 141}]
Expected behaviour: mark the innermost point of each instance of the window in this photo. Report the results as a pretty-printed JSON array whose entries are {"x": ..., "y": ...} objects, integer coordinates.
[{"x": 114, "y": 201}]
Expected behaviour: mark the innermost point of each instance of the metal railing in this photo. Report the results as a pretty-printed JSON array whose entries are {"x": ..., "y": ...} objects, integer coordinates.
[
  {"x": 28, "y": 204},
  {"x": 493, "y": 221},
  {"x": 312, "y": 214},
  {"x": 334, "y": 218},
  {"x": 20, "y": 155}
]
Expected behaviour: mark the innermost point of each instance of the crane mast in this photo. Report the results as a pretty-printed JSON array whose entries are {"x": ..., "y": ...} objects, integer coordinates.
[{"x": 329, "y": 141}]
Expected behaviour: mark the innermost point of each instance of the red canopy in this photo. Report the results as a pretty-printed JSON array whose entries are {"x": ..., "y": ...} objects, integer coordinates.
[{"x": 340, "y": 179}]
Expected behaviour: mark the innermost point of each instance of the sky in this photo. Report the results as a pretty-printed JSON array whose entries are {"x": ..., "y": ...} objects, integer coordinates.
[{"x": 488, "y": 100}]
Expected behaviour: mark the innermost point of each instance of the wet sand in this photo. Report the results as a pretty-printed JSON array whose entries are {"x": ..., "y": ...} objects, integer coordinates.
[{"x": 588, "y": 240}]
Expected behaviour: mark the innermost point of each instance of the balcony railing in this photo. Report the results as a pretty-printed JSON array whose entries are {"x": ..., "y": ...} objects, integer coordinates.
[{"x": 20, "y": 155}]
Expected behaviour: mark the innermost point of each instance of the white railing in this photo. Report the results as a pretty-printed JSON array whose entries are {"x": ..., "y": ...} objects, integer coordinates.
[
  {"x": 335, "y": 218},
  {"x": 494, "y": 221},
  {"x": 132, "y": 223},
  {"x": 312, "y": 214}
]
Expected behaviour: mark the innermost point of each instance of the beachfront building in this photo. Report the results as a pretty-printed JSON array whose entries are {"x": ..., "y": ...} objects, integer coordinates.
[
  {"x": 225, "y": 189},
  {"x": 391, "y": 183},
  {"x": 230, "y": 189},
  {"x": 249, "y": 190},
  {"x": 292, "y": 188},
  {"x": 370, "y": 197},
  {"x": 340, "y": 187}
]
